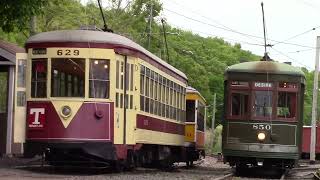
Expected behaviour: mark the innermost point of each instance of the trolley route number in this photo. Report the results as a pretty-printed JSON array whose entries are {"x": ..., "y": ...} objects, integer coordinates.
[
  {"x": 261, "y": 127},
  {"x": 68, "y": 52}
]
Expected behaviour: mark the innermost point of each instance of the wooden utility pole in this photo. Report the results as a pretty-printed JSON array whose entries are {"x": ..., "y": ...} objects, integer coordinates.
[
  {"x": 213, "y": 118},
  {"x": 314, "y": 105},
  {"x": 150, "y": 25},
  {"x": 165, "y": 40},
  {"x": 33, "y": 25},
  {"x": 213, "y": 112}
]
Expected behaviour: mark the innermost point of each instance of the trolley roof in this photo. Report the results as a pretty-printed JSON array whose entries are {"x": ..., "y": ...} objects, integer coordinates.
[
  {"x": 99, "y": 37},
  {"x": 265, "y": 67},
  {"x": 191, "y": 90}
]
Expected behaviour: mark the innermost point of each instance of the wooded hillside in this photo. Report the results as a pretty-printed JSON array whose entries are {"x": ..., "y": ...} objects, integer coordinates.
[{"x": 203, "y": 59}]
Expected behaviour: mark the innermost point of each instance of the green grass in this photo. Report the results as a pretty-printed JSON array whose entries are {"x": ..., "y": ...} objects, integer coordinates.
[
  {"x": 3, "y": 92},
  {"x": 213, "y": 142}
]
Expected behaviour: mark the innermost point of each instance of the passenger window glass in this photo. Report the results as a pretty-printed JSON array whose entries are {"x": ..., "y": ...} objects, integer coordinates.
[
  {"x": 22, "y": 64},
  {"x": 190, "y": 111},
  {"x": 262, "y": 103},
  {"x": 239, "y": 104},
  {"x": 67, "y": 77},
  {"x": 127, "y": 76},
  {"x": 117, "y": 74},
  {"x": 131, "y": 77},
  {"x": 39, "y": 78},
  {"x": 21, "y": 98},
  {"x": 99, "y": 79},
  {"x": 286, "y": 105},
  {"x": 201, "y": 112}
]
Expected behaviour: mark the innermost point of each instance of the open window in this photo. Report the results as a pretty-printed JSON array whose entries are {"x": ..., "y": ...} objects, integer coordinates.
[{"x": 287, "y": 101}]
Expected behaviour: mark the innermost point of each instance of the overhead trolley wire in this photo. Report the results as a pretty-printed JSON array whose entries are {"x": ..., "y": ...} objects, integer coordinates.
[
  {"x": 305, "y": 32},
  {"x": 298, "y": 51},
  {"x": 212, "y": 20},
  {"x": 306, "y": 66},
  {"x": 215, "y": 26},
  {"x": 234, "y": 31},
  {"x": 234, "y": 40}
]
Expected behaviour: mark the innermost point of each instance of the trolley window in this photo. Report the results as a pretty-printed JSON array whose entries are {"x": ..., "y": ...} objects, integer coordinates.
[
  {"x": 239, "y": 104},
  {"x": 287, "y": 101},
  {"x": 262, "y": 104},
  {"x": 200, "y": 116},
  {"x": 99, "y": 79},
  {"x": 22, "y": 66},
  {"x": 67, "y": 79},
  {"x": 286, "y": 105},
  {"x": 39, "y": 78},
  {"x": 190, "y": 111}
]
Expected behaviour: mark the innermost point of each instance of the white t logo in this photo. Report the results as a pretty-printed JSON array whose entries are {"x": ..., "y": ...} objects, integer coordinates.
[{"x": 36, "y": 112}]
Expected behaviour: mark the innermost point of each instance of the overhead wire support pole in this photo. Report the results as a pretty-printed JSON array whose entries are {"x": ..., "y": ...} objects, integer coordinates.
[
  {"x": 314, "y": 105},
  {"x": 165, "y": 39},
  {"x": 213, "y": 118},
  {"x": 150, "y": 25},
  {"x": 213, "y": 112}
]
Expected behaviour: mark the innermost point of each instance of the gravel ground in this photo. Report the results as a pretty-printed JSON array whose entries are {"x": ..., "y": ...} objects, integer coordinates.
[{"x": 209, "y": 168}]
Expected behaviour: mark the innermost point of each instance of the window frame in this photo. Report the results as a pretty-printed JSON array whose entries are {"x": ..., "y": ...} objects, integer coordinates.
[
  {"x": 235, "y": 89},
  {"x": 108, "y": 81},
  {"x": 272, "y": 89},
  {"x": 288, "y": 90},
  {"x": 34, "y": 95}
]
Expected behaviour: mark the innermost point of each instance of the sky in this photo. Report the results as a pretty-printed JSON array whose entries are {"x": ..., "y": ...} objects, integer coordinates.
[{"x": 240, "y": 21}]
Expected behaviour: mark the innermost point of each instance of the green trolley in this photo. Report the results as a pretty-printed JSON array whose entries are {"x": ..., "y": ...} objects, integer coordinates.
[{"x": 263, "y": 114}]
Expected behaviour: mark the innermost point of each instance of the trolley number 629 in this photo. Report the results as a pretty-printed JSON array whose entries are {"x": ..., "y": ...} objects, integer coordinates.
[
  {"x": 68, "y": 52},
  {"x": 261, "y": 126}
]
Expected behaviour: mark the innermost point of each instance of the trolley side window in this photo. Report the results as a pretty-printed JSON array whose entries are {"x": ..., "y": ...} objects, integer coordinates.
[
  {"x": 67, "y": 79},
  {"x": 287, "y": 101},
  {"x": 39, "y": 78},
  {"x": 239, "y": 104},
  {"x": 200, "y": 116},
  {"x": 190, "y": 111},
  {"x": 99, "y": 78}
]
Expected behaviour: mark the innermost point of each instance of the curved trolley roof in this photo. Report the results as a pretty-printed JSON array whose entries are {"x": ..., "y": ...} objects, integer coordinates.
[
  {"x": 191, "y": 90},
  {"x": 265, "y": 67},
  {"x": 98, "y": 37}
]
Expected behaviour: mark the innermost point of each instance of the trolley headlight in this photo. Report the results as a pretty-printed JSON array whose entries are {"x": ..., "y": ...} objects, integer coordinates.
[
  {"x": 261, "y": 136},
  {"x": 65, "y": 111}
]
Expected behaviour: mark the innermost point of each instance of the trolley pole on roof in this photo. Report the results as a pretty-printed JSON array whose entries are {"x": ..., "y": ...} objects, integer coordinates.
[{"x": 314, "y": 105}]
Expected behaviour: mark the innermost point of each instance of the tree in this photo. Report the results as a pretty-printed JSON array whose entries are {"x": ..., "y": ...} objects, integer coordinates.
[{"x": 16, "y": 14}]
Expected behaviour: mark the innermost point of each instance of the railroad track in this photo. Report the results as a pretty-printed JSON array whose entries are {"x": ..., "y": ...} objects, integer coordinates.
[{"x": 224, "y": 177}]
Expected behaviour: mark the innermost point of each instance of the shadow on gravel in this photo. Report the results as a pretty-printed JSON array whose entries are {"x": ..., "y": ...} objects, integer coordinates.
[
  {"x": 200, "y": 170},
  {"x": 79, "y": 171},
  {"x": 260, "y": 172}
]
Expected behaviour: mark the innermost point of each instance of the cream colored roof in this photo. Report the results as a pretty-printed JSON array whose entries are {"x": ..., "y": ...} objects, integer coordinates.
[{"x": 97, "y": 37}]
